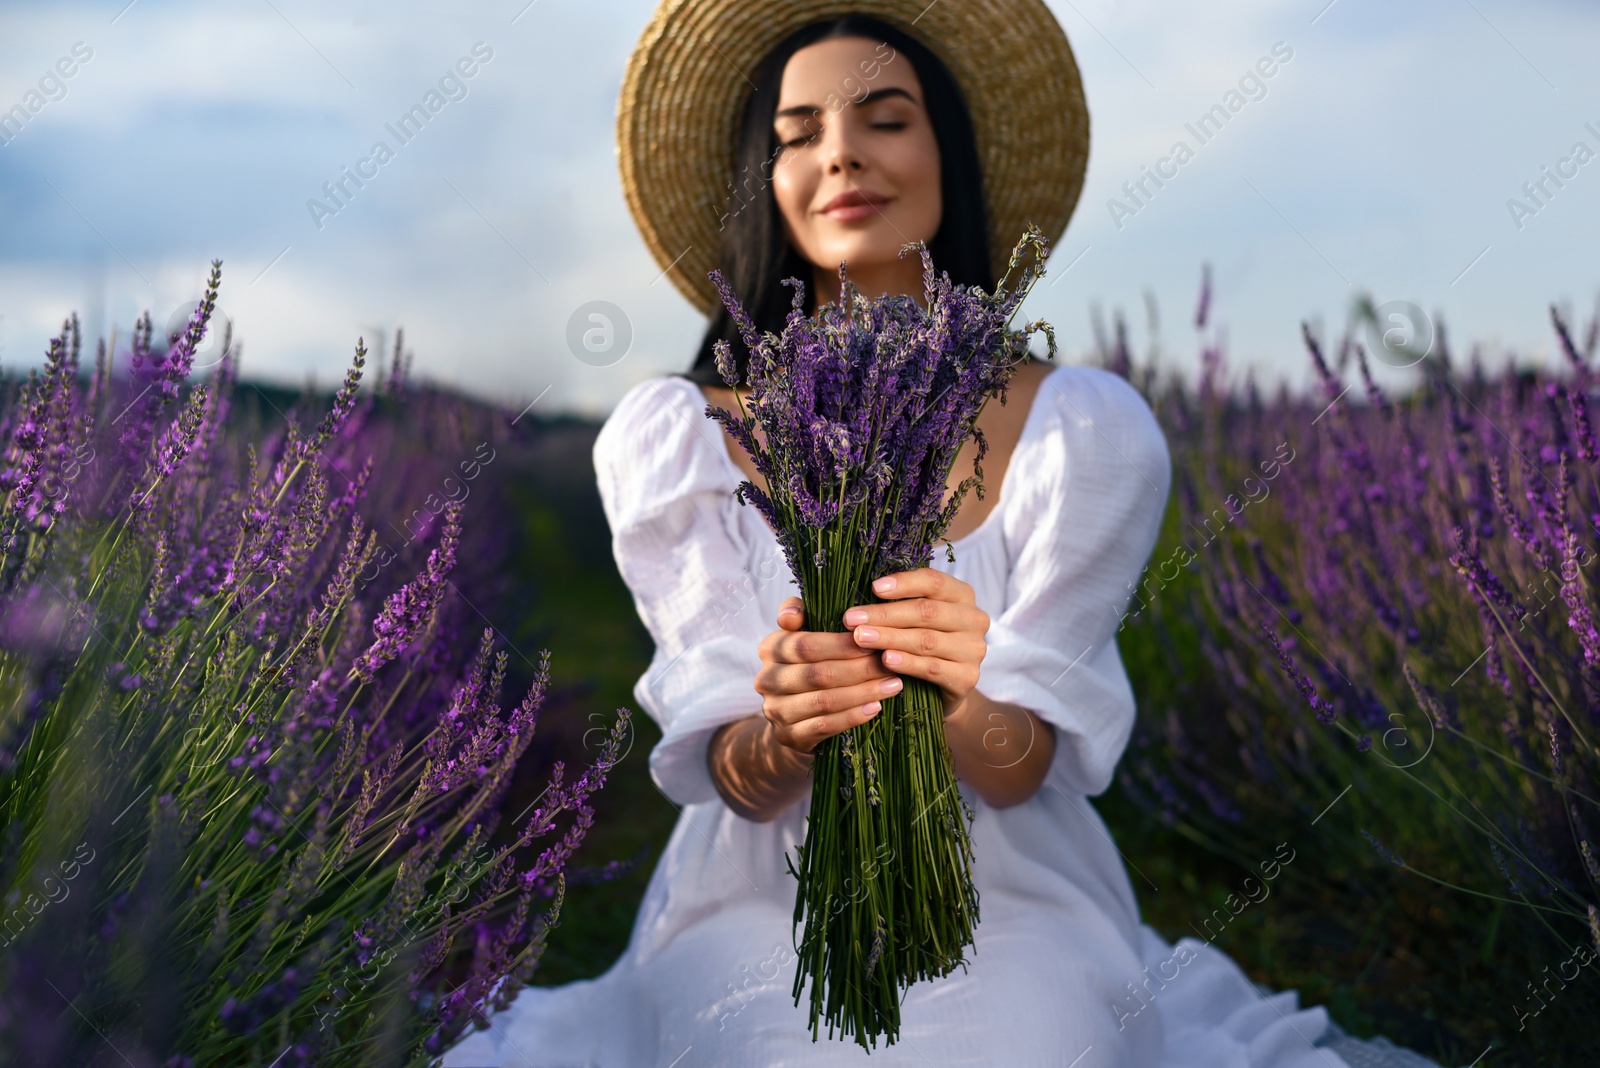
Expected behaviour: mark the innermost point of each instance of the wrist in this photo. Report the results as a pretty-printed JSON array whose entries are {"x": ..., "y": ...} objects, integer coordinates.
[
  {"x": 959, "y": 713},
  {"x": 785, "y": 756},
  {"x": 754, "y": 779}
]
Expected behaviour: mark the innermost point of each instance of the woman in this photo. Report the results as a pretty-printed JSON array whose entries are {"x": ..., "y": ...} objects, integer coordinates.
[{"x": 854, "y": 138}]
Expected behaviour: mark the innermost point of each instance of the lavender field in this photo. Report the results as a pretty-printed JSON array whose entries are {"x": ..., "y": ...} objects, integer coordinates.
[
  {"x": 1367, "y": 638},
  {"x": 1365, "y": 651},
  {"x": 263, "y": 800}
]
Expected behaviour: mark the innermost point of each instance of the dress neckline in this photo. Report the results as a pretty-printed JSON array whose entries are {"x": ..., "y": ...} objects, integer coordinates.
[{"x": 990, "y": 520}]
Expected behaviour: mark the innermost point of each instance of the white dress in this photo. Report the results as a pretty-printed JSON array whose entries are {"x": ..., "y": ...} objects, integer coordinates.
[{"x": 1062, "y": 972}]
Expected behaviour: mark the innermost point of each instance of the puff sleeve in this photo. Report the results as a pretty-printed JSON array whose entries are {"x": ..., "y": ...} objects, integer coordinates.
[
  {"x": 665, "y": 491},
  {"x": 1089, "y": 510}
]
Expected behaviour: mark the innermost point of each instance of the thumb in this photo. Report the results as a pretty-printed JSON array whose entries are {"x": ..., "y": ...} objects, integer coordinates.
[{"x": 792, "y": 615}]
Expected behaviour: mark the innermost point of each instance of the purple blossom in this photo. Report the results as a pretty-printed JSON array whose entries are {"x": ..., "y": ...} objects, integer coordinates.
[
  {"x": 1325, "y": 712},
  {"x": 1382, "y": 850},
  {"x": 865, "y": 405},
  {"x": 409, "y": 609},
  {"x": 259, "y": 761}
]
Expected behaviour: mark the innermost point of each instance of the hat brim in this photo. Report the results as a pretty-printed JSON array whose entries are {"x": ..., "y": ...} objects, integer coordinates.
[{"x": 678, "y": 114}]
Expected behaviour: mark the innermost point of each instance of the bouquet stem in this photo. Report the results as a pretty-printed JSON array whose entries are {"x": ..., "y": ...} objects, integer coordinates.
[{"x": 883, "y": 797}]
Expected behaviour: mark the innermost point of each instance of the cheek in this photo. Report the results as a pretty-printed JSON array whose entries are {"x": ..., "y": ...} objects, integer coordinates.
[
  {"x": 792, "y": 189},
  {"x": 917, "y": 174}
]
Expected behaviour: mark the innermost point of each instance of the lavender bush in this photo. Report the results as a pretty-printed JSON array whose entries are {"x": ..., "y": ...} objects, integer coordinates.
[
  {"x": 863, "y": 408},
  {"x": 250, "y": 776},
  {"x": 1369, "y": 630}
]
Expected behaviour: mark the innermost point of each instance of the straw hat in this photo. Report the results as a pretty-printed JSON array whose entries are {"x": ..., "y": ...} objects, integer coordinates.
[{"x": 686, "y": 82}]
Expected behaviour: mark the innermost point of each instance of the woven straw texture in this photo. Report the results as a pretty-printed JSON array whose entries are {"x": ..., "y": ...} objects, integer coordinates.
[{"x": 690, "y": 72}]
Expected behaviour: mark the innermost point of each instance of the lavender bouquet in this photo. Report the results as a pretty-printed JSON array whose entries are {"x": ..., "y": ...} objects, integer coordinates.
[
  {"x": 863, "y": 408},
  {"x": 249, "y": 779}
]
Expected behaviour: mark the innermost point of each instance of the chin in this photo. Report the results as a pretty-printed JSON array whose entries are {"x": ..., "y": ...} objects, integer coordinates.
[{"x": 875, "y": 253}]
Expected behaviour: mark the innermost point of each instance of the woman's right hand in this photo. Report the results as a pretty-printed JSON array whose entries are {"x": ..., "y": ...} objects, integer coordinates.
[{"x": 815, "y": 684}]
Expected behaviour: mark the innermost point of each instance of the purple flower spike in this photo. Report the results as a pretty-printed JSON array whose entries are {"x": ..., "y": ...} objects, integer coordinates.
[{"x": 409, "y": 609}]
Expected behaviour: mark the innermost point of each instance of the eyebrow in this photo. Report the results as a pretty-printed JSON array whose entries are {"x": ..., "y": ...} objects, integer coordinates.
[{"x": 876, "y": 94}]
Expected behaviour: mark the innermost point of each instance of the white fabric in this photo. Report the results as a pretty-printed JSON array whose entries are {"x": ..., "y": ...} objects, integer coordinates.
[{"x": 1062, "y": 972}]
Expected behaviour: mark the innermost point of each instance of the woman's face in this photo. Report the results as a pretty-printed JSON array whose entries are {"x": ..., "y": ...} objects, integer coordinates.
[{"x": 857, "y": 172}]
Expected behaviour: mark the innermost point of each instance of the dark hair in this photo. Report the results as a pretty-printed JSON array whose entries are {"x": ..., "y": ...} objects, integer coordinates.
[{"x": 756, "y": 256}]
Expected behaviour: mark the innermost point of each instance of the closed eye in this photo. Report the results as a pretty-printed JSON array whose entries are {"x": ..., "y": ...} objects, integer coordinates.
[{"x": 795, "y": 142}]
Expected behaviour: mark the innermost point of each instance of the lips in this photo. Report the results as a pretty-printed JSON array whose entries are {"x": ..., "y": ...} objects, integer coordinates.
[{"x": 854, "y": 204}]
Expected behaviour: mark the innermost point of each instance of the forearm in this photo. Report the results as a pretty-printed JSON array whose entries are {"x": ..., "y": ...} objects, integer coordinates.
[
  {"x": 756, "y": 775},
  {"x": 1002, "y": 749}
]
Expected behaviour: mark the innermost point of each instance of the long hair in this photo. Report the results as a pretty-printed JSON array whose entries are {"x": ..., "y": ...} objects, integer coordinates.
[{"x": 755, "y": 255}]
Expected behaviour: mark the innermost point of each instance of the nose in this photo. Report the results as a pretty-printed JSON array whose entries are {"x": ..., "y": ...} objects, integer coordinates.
[
  {"x": 844, "y": 160},
  {"x": 842, "y": 153}
]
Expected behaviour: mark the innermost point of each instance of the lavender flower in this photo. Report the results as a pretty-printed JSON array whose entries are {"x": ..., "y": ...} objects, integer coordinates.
[
  {"x": 1505, "y": 872},
  {"x": 281, "y": 755},
  {"x": 862, "y": 409},
  {"x": 1324, "y": 712},
  {"x": 1442, "y": 547},
  {"x": 410, "y": 608},
  {"x": 1382, "y": 850}
]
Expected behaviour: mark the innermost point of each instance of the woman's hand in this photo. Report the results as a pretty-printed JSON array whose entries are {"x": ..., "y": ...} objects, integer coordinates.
[
  {"x": 816, "y": 684},
  {"x": 932, "y": 629}
]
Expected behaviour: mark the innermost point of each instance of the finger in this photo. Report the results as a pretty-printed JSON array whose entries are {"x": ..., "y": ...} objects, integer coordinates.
[
  {"x": 811, "y": 646},
  {"x": 813, "y": 732},
  {"x": 784, "y": 679},
  {"x": 963, "y": 645},
  {"x": 923, "y": 582},
  {"x": 957, "y": 676},
  {"x": 838, "y": 723},
  {"x": 792, "y": 615},
  {"x": 920, "y": 612},
  {"x": 795, "y": 711},
  {"x": 791, "y": 710}
]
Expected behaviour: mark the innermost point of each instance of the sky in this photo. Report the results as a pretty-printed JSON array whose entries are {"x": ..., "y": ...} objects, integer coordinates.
[{"x": 1389, "y": 156}]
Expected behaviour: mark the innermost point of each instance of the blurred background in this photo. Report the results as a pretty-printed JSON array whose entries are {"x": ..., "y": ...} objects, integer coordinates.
[
  {"x": 1381, "y": 158},
  {"x": 1441, "y": 157}
]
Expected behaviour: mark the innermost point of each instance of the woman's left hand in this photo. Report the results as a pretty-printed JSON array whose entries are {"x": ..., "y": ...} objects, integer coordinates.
[{"x": 932, "y": 628}]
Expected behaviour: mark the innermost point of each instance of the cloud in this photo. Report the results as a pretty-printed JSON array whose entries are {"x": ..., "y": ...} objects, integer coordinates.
[{"x": 1381, "y": 157}]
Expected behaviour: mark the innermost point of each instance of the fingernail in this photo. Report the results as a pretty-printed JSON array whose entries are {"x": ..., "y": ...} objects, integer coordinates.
[
  {"x": 785, "y": 611},
  {"x": 889, "y": 686},
  {"x": 855, "y": 617},
  {"x": 873, "y": 708},
  {"x": 891, "y": 657},
  {"x": 866, "y": 634},
  {"x": 885, "y": 584}
]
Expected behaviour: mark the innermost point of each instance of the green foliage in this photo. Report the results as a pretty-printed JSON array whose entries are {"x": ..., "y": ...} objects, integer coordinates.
[{"x": 250, "y": 775}]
